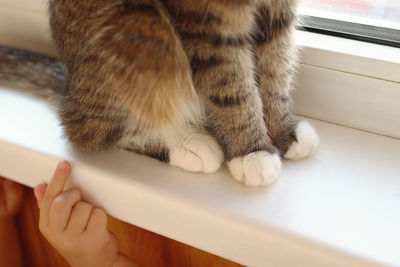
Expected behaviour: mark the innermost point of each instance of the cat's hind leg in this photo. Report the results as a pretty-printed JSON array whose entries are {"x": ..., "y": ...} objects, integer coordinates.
[
  {"x": 130, "y": 85},
  {"x": 276, "y": 66},
  {"x": 189, "y": 148}
]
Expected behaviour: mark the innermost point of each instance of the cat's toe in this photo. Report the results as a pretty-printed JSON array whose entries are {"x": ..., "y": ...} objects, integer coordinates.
[
  {"x": 256, "y": 169},
  {"x": 197, "y": 153},
  {"x": 307, "y": 142}
]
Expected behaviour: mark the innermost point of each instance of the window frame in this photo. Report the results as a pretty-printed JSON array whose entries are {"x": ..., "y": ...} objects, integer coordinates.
[
  {"x": 363, "y": 75},
  {"x": 352, "y": 30}
]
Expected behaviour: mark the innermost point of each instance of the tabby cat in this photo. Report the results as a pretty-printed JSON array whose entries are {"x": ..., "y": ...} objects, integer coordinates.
[{"x": 189, "y": 82}]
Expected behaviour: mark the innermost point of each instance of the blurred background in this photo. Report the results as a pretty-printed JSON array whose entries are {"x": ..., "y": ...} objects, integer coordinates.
[
  {"x": 375, "y": 21},
  {"x": 380, "y": 12}
]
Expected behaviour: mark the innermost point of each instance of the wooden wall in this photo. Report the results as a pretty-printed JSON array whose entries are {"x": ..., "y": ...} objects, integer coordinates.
[{"x": 146, "y": 248}]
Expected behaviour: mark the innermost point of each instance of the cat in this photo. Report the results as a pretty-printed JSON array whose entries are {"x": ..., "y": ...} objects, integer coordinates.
[{"x": 189, "y": 82}]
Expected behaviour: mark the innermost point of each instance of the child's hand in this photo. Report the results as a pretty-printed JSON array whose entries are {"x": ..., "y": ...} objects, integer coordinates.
[
  {"x": 74, "y": 227},
  {"x": 11, "y": 195}
]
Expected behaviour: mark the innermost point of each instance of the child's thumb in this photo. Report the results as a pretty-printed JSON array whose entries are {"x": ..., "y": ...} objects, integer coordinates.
[{"x": 39, "y": 192}]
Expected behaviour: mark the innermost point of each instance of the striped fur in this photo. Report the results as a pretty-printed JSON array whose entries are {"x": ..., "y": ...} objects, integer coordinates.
[
  {"x": 38, "y": 71},
  {"x": 151, "y": 75},
  {"x": 276, "y": 66}
]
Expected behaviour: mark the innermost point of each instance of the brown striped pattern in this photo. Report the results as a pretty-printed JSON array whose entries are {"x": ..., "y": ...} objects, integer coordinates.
[
  {"x": 269, "y": 27},
  {"x": 160, "y": 153},
  {"x": 90, "y": 127},
  {"x": 228, "y": 101},
  {"x": 205, "y": 64},
  {"x": 137, "y": 68},
  {"x": 276, "y": 65},
  {"x": 127, "y": 70},
  {"x": 28, "y": 69},
  {"x": 221, "y": 61}
]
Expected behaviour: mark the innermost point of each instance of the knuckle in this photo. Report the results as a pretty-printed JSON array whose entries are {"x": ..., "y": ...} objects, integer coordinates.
[
  {"x": 59, "y": 204},
  {"x": 76, "y": 193},
  {"x": 48, "y": 198},
  {"x": 66, "y": 199},
  {"x": 67, "y": 242},
  {"x": 100, "y": 214},
  {"x": 82, "y": 208}
]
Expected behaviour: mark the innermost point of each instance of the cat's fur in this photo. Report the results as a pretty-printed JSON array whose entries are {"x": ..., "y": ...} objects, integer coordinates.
[{"x": 178, "y": 79}]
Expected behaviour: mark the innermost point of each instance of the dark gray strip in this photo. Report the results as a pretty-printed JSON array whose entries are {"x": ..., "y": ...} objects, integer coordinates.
[
  {"x": 355, "y": 31},
  {"x": 40, "y": 71},
  {"x": 143, "y": 8},
  {"x": 268, "y": 29},
  {"x": 201, "y": 65},
  {"x": 162, "y": 155},
  {"x": 227, "y": 101},
  {"x": 214, "y": 39},
  {"x": 194, "y": 18}
]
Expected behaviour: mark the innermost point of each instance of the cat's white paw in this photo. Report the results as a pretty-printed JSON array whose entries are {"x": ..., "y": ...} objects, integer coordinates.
[
  {"x": 197, "y": 153},
  {"x": 307, "y": 142},
  {"x": 256, "y": 169}
]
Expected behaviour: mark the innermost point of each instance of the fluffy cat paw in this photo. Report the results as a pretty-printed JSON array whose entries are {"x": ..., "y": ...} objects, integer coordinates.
[
  {"x": 197, "y": 153},
  {"x": 307, "y": 142},
  {"x": 256, "y": 169}
]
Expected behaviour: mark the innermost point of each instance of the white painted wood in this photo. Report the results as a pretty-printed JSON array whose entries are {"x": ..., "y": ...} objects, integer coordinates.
[
  {"x": 347, "y": 99},
  {"x": 338, "y": 208},
  {"x": 364, "y": 59},
  {"x": 26, "y": 29},
  {"x": 27, "y": 5}
]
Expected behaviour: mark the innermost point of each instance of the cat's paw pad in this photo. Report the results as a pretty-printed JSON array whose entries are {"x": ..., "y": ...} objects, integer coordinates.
[
  {"x": 307, "y": 142},
  {"x": 256, "y": 169},
  {"x": 197, "y": 153}
]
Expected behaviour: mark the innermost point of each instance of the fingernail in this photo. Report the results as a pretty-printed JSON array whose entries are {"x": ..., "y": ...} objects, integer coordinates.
[{"x": 62, "y": 165}]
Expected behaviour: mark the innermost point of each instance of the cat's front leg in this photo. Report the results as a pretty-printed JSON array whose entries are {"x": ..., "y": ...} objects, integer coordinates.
[
  {"x": 276, "y": 65},
  {"x": 236, "y": 118},
  {"x": 222, "y": 65}
]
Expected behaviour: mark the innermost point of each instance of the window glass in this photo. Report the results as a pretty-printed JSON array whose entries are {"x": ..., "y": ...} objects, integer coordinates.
[{"x": 377, "y": 20}]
